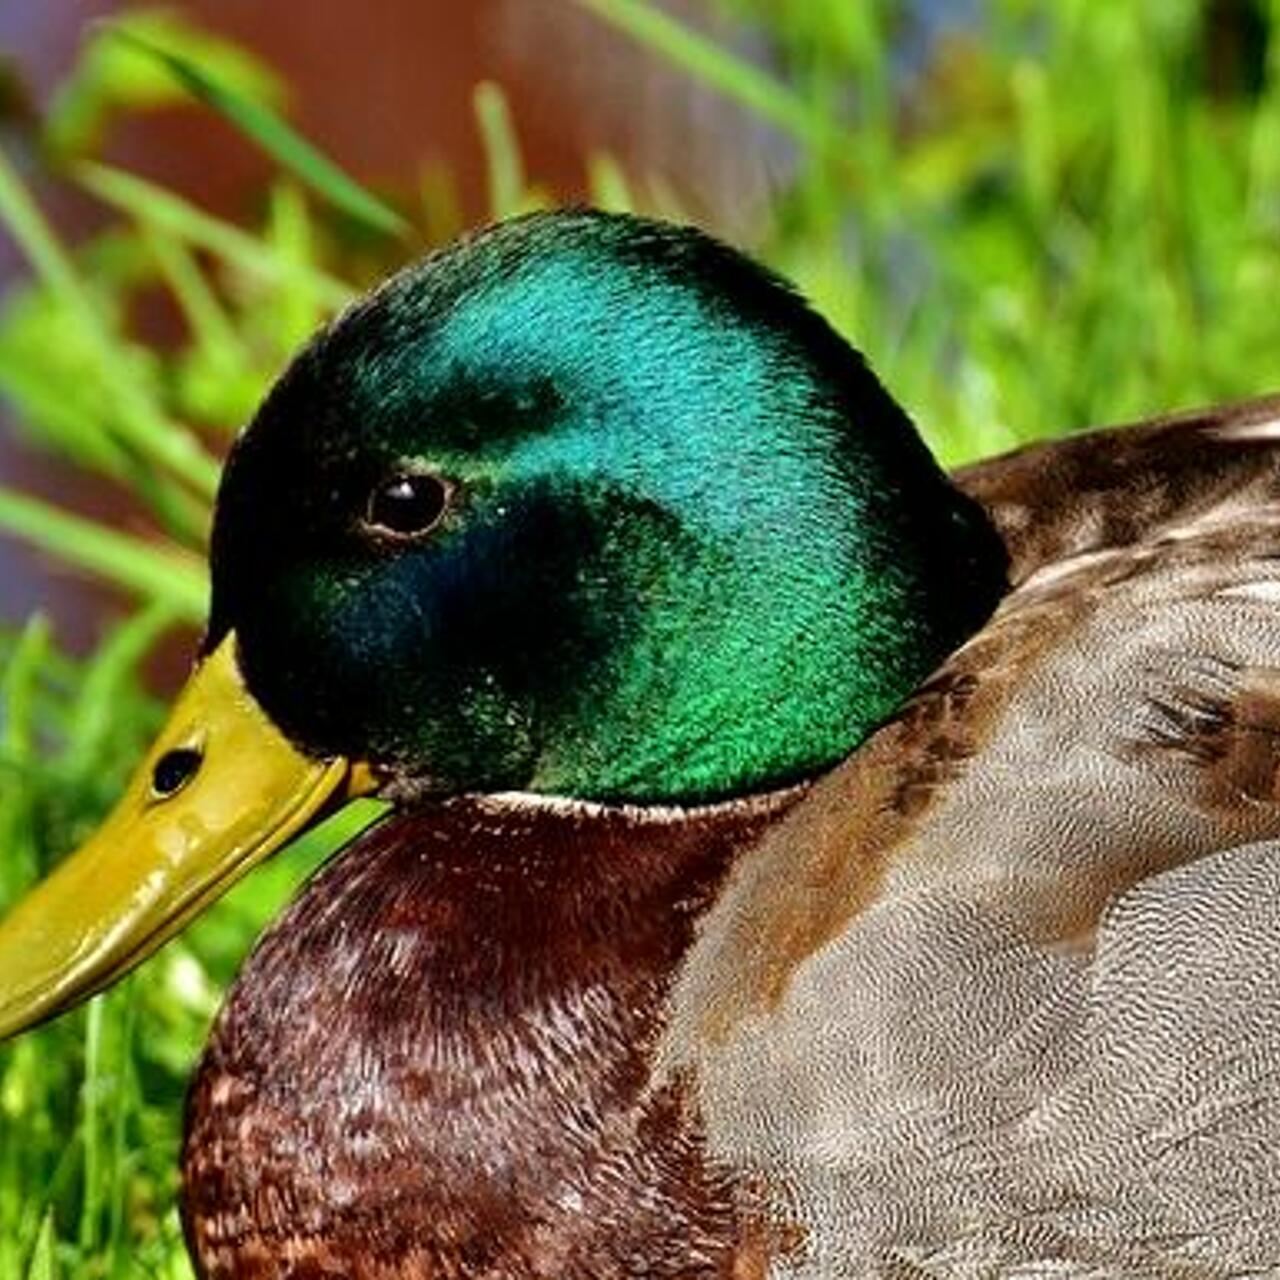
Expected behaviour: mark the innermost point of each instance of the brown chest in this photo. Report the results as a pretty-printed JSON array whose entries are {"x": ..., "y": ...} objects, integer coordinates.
[{"x": 437, "y": 1064}]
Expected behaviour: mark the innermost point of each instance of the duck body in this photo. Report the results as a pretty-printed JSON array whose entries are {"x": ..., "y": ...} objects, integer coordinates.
[
  {"x": 997, "y": 995},
  {"x": 798, "y": 866}
]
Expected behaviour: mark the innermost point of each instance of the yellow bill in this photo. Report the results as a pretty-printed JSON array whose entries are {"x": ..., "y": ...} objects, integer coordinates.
[{"x": 219, "y": 790}]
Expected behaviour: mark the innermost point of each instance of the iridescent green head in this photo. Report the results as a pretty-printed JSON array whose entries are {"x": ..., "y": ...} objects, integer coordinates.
[{"x": 592, "y": 506}]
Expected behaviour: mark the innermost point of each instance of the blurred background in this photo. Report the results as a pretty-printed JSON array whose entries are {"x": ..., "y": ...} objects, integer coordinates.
[{"x": 1033, "y": 216}]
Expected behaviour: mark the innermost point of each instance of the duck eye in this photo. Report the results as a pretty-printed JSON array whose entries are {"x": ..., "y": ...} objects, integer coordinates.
[
  {"x": 407, "y": 504},
  {"x": 174, "y": 770}
]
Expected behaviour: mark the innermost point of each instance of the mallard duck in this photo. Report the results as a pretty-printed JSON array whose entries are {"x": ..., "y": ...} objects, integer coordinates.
[{"x": 592, "y": 549}]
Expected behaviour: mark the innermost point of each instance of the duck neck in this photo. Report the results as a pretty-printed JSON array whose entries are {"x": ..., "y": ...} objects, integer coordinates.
[{"x": 770, "y": 655}]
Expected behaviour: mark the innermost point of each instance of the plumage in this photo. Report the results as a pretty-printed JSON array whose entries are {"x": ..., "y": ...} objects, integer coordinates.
[
  {"x": 998, "y": 992},
  {"x": 1018, "y": 955}
]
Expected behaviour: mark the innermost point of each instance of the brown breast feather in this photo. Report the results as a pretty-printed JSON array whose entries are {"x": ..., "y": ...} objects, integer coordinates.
[{"x": 436, "y": 1064}]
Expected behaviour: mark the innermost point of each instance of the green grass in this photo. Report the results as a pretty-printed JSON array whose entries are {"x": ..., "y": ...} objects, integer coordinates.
[{"x": 1068, "y": 216}]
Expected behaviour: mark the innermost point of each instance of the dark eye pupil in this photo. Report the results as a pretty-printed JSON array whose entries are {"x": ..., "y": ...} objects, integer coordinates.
[
  {"x": 174, "y": 769},
  {"x": 408, "y": 504}
]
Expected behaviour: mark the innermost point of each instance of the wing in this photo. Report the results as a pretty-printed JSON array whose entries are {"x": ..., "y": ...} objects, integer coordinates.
[
  {"x": 1113, "y": 489},
  {"x": 1002, "y": 995}
]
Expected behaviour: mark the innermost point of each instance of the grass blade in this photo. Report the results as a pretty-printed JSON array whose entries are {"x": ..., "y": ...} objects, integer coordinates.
[
  {"x": 299, "y": 309},
  {"x": 19, "y": 715},
  {"x": 502, "y": 152},
  {"x": 279, "y": 140},
  {"x": 207, "y": 322},
  {"x": 106, "y": 681},
  {"x": 35, "y": 238},
  {"x": 134, "y": 416},
  {"x": 151, "y": 205},
  {"x": 607, "y": 182},
  {"x": 42, "y": 1265},
  {"x": 93, "y": 1087},
  {"x": 18, "y": 690},
  {"x": 161, "y": 573},
  {"x": 717, "y": 67}
]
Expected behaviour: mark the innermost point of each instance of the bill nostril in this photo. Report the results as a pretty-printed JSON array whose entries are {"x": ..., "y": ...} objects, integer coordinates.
[{"x": 174, "y": 770}]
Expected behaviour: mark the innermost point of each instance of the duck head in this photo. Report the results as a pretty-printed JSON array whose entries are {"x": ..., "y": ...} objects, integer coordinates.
[{"x": 585, "y": 506}]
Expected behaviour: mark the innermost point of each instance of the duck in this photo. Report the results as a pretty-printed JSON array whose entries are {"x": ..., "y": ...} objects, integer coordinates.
[{"x": 799, "y": 862}]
